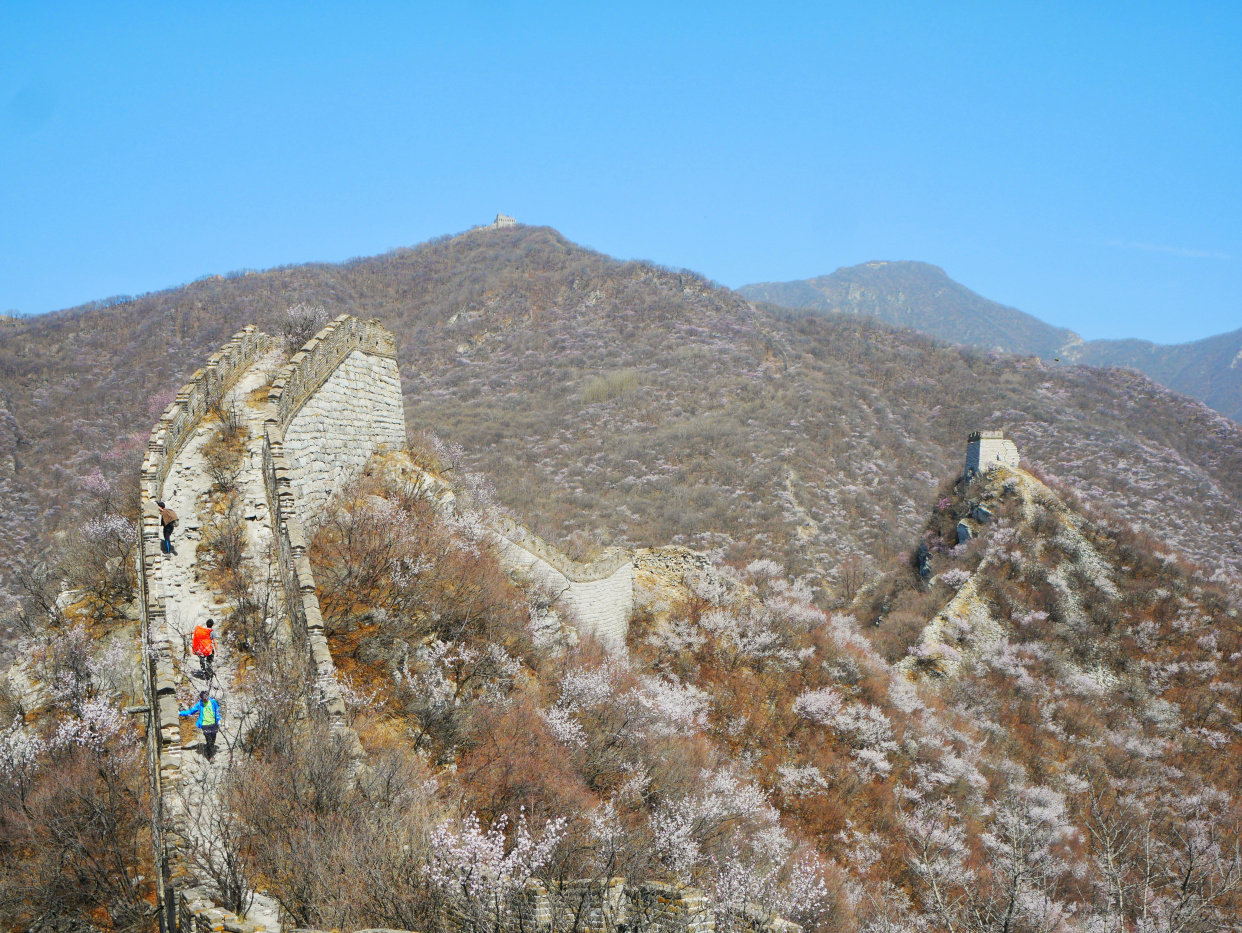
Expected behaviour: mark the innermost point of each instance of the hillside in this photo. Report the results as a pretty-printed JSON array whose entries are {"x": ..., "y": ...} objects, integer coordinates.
[
  {"x": 923, "y": 298},
  {"x": 852, "y": 716},
  {"x": 1209, "y": 369},
  {"x": 1040, "y": 731},
  {"x": 621, "y": 402}
]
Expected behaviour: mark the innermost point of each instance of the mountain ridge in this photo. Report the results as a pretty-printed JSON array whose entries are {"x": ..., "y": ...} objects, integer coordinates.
[
  {"x": 923, "y": 297},
  {"x": 621, "y": 402}
]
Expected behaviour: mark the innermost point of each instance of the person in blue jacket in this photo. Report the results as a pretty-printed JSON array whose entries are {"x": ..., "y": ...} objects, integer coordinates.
[{"x": 208, "y": 719}]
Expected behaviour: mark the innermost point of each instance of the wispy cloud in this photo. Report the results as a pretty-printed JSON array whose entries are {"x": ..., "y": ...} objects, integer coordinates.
[{"x": 1169, "y": 250}]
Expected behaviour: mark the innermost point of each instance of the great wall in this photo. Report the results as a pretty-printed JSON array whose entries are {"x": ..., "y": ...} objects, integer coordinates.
[{"x": 331, "y": 406}]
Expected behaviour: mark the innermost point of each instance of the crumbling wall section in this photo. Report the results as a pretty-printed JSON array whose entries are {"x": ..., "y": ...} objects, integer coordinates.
[
  {"x": 169, "y": 835},
  {"x": 597, "y": 595}
]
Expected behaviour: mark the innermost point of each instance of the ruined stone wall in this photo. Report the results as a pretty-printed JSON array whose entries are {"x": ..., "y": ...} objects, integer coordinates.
[
  {"x": 598, "y": 905},
  {"x": 335, "y": 403},
  {"x": 174, "y": 868},
  {"x": 597, "y": 595},
  {"x": 297, "y": 579},
  {"x": 205, "y": 388}
]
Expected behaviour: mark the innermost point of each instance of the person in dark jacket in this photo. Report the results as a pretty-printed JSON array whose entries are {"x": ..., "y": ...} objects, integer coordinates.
[
  {"x": 208, "y": 719},
  {"x": 168, "y": 518}
]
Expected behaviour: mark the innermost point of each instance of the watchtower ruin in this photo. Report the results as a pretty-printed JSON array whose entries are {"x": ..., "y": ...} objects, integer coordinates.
[{"x": 986, "y": 450}]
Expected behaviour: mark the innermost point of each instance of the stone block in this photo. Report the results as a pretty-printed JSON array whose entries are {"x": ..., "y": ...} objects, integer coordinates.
[{"x": 169, "y": 712}]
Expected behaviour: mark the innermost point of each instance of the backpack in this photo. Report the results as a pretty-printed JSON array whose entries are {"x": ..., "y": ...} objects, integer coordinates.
[
  {"x": 201, "y": 643},
  {"x": 209, "y": 713}
]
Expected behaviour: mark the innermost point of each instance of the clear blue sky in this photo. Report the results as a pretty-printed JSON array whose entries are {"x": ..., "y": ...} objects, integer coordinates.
[{"x": 1084, "y": 165}]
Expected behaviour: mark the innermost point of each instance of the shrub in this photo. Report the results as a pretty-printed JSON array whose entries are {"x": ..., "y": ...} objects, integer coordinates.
[
  {"x": 224, "y": 538},
  {"x": 300, "y": 323},
  {"x": 609, "y": 386}
]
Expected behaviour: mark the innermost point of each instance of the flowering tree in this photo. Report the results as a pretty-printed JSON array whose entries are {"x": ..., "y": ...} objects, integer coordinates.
[{"x": 478, "y": 870}]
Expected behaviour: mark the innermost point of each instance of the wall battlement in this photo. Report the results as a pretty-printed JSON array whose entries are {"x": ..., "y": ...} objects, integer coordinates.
[
  {"x": 206, "y": 387},
  {"x": 311, "y": 366},
  {"x": 175, "y": 872}
]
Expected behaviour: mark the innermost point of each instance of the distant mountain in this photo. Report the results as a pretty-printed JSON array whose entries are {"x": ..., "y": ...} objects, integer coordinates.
[
  {"x": 922, "y": 297},
  {"x": 1209, "y": 369}
]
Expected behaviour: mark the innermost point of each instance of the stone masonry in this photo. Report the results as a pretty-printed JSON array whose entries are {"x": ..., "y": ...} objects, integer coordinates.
[
  {"x": 176, "y": 879},
  {"x": 352, "y": 359},
  {"x": 986, "y": 450},
  {"x": 356, "y": 411},
  {"x": 598, "y": 596},
  {"x": 354, "y": 363}
]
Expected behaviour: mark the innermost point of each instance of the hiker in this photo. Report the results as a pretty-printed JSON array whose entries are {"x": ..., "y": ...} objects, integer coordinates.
[
  {"x": 203, "y": 645},
  {"x": 208, "y": 719},
  {"x": 168, "y": 518}
]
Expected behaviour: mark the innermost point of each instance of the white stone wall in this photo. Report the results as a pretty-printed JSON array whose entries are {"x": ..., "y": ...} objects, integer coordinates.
[
  {"x": 988, "y": 452},
  {"x": 355, "y": 412},
  {"x": 601, "y": 607}
]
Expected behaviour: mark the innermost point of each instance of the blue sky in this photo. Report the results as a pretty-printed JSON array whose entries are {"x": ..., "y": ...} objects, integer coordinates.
[{"x": 1081, "y": 162}]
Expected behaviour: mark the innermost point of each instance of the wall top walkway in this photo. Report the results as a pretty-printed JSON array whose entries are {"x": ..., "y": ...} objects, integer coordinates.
[{"x": 205, "y": 388}]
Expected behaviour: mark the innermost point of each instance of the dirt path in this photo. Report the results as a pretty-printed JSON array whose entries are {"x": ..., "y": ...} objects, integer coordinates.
[{"x": 191, "y": 600}]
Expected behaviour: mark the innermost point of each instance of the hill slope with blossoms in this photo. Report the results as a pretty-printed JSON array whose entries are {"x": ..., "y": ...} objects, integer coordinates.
[
  {"x": 845, "y": 716},
  {"x": 621, "y": 402},
  {"x": 1038, "y": 729}
]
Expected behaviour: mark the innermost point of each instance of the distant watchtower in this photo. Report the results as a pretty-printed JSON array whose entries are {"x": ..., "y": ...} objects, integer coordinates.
[
  {"x": 503, "y": 220},
  {"x": 986, "y": 450}
]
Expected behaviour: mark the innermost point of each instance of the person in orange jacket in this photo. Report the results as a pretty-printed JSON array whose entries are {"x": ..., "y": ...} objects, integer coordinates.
[{"x": 203, "y": 645}]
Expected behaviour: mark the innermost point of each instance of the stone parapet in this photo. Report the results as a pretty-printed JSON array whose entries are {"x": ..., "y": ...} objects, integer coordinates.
[
  {"x": 335, "y": 402},
  {"x": 318, "y": 359},
  {"x": 296, "y": 576}
]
